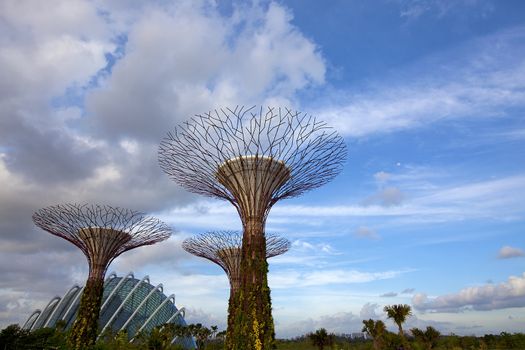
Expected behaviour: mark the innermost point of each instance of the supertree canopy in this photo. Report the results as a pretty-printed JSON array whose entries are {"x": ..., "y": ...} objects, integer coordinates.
[
  {"x": 102, "y": 233},
  {"x": 197, "y": 154},
  {"x": 224, "y": 249},
  {"x": 252, "y": 158}
]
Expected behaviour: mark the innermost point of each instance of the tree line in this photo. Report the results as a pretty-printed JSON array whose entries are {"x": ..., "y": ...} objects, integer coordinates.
[
  {"x": 13, "y": 337},
  {"x": 377, "y": 338}
]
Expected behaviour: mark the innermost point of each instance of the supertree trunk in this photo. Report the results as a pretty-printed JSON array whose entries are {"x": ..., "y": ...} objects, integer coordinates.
[
  {"x": 85, "y": 329},
  {"x": 252, "y": 326},
  {"x": 249, "y": 306}
]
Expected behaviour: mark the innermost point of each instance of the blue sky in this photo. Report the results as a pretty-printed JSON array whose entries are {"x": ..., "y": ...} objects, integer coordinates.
[{"x": 429, "y": 96}]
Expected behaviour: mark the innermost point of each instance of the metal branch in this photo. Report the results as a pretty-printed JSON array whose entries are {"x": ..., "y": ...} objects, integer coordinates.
[
  {"x": 102, "y": 232},
  {"x": 312, "y": 151},
  {"x": 224, "y": 249}
]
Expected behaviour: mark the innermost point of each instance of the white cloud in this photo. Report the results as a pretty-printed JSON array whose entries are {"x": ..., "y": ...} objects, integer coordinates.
[
  {"x": 198, "y": 315},
  {"x": 431, "y": 200},
  {"x": 415, "y": 9},
  {"x": 486, "y": 297},
  {"x": 341, "y": 322},
  {"x": 368, "y": 311},
  {"x": 387, "y": 197},
  {"x": 508, "y": 252},
  {"x": 382, "y": 176},
  {"x": 306, "y": 247},
  {"x": 189, "y": 59},
  {"x": 350, "y": 322},
  {"x": 482, "y": 198},
  {"x": 293, "y": 278},
  {"x": 168, "y": 254},
  {"x": 485, "y": 83}
]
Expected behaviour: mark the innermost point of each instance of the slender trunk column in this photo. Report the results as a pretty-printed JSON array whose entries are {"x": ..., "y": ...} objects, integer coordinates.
[
  {"x": 251, "y": 323},
  {"x": 85, "y": 329}
]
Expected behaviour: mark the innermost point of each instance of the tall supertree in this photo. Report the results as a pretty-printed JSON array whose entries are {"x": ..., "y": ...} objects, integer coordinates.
[
  {"x": 102, "y": 233},
  {"x": 252, "y": 158},
  {"x": 224, "y": 249}
]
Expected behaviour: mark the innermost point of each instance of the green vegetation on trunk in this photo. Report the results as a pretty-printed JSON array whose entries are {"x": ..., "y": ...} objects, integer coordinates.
[
  {"x": 85, "y": 329},
  {"x": 251, "y": 319}
]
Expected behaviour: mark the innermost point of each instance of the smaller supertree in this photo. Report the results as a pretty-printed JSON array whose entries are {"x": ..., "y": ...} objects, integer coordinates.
[
  {"x": 224, "y": 248},
  {"x": 102, "y": 233}
]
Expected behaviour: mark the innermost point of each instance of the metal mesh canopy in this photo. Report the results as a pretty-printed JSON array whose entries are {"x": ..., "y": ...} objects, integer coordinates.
[
  {"x": 196, "y": 153},
  {"x": 102, "y": 232},
  {"x": 128, "y": 304},
  {"x": 252, "y": 180},
  {"x": 224, "y": 249}
]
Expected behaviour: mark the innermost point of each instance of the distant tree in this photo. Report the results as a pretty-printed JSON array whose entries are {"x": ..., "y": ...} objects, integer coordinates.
[
  {"x": 321, "y": 338},
  {"x": 201, "y": 333},
  {"x": 60, "y": 325},
  {"x": 471, "y": 342},
  {"x": 14, "y": 337},
  {"x": 11, "y": 335},
  {"x": 428, "y": 338},
  {"x": 398, "y": 313},
  {"x": 213, "y": 331},
  {"x": 221, "y": 335},
  {"x": 375, "y": 330},
  {"x": 156, "y": 340}
]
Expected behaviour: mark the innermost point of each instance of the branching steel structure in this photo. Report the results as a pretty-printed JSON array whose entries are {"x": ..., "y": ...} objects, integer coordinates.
[
  {"x": 102, "y": 233},
  {"x": 224, "y": 249},
  {"x": 252, "y": 158},
  {"x": 192, "y": 154}
]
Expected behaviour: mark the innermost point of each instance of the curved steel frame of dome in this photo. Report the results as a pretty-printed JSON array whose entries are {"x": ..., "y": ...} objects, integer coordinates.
[{"x": 128, "y": 304}]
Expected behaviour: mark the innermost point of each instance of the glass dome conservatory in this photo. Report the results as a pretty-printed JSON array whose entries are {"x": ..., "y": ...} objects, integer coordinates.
[{"x": 128, "y": 304}]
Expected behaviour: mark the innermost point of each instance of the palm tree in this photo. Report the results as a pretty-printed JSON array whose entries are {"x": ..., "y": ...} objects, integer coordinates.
[
  {"x": 375, "y": 330},
  {"x": 428, "y": 337},
  {"x": 399, "y": 314},
  {"x": 321, "y": 338},
  {"x": 201, "y": 333}
]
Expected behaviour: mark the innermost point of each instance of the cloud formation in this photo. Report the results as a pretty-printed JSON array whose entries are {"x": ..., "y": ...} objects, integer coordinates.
[
  {"x": 88, "y": 89},
  {"x": 187, "y": 59},
  {"x": 486, "y": 297},
  {"x": 336, "y": 323},
  {"x": 508, "y": 252},
  {"x": 294, "y": 278},
  {"x": 462, "y": 88},
  {"x": 415, "y": 9}
]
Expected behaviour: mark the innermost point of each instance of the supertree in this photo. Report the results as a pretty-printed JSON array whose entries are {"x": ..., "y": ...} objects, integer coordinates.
[
  {"x": 224, "y": 249},
  {"x": 102, "y": 233},
  {"x": 252, "y": 158}
]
